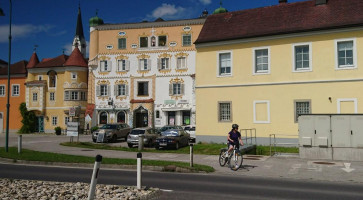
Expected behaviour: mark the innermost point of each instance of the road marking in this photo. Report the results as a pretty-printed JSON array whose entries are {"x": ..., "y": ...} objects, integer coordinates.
[
  {"x": 294, "y": 169},
  {"x": 347, "y": 168},
  {"x": 164, "y": 190}
]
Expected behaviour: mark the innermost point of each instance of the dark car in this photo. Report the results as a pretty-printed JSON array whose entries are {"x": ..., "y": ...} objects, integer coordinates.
[
  {"x": 111, "y": 133},
  {"x": 167, "y": 127},
  {"x": 150, "y": 136},
  {"x": 172, "y": 138}
]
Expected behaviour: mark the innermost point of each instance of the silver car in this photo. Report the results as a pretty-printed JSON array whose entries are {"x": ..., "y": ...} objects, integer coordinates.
[
  {"x": 150, "y": 136},
  {"x": 111, "y": 133}
]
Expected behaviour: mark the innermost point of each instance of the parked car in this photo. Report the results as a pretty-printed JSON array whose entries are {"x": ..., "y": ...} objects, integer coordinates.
[
  {"x": 150, "y": 136},
  {"x": 111, "y": 132},
  {"x": 191, "y": 131},
  {"x": 167, "y": 127},
  {"x": 172, "y": 138}
]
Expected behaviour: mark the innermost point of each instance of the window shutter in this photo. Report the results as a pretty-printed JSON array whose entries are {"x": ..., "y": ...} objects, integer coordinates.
[
  {"x": 170, "y": 89},
  {"x": 178, "y": 63},
  {"x": 148, "y": 64},
  {"x": 159, "y": 63},
  {"x": 126, "y": 90},
  {"x": 115, "y": 90},
  {"x": 108, "y": 90},
  {"x": 139, "y": 64},
  {"x": 98, "y": 90},
  {"x": 109, "y": 65},
  {"x": 182, "y": 89},
  {"x": 127, "y": 65},
  {"x": 66, "y": 95}
]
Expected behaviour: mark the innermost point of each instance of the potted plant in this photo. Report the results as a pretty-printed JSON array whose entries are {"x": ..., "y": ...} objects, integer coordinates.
[{"x": 58, "y": 130}]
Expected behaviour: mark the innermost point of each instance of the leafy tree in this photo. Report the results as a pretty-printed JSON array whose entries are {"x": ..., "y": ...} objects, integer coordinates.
[{"x": 28, "y": 121}]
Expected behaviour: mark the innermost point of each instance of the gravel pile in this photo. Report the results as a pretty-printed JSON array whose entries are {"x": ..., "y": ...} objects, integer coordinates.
[{"x": 11, "y": 189}]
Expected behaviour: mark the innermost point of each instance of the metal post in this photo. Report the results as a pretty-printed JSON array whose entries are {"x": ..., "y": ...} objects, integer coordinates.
[
  {"x": 19, "y": 143},
  {"x": 191, "y": 155},
  {"x": 141, "y": 142},
  {"x": 96, "y": 169},
  {"x": 139, "y": 170},
  {"x": 8, "y": 95}
]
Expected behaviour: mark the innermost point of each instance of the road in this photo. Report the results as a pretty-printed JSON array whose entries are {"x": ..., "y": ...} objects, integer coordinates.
[{"x": 194, "y": 186}]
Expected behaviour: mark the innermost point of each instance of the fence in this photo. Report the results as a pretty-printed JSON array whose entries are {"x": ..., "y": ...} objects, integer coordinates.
[{"x": 273, "y": 142}]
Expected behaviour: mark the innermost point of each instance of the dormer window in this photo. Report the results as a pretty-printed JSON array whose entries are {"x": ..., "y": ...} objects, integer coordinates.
[
  {"x": 143, "y": 42},
  {"x": 162, "y": 41}
]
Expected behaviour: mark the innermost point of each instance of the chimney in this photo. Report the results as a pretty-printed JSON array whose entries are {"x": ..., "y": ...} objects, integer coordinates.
[
  {"x": 282, "y": 1},
  {"x": 320, "y": 2}
]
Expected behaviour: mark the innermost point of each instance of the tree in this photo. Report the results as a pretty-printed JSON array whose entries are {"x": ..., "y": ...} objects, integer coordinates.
[{"x": 28, "y": 121}]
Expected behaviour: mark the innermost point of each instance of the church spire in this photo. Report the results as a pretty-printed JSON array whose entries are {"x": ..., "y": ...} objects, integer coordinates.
[{"x": 79, "y": 40}]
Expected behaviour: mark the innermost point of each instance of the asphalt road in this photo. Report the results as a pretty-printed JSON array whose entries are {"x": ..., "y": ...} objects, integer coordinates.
[{"x": 194, "y": 186}]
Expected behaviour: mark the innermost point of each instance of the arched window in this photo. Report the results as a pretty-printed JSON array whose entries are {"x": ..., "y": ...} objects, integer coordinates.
[
  {"x": 153, "y": 41},
  {"x": 121, "y": 117},
  {"x": 52, "y": 78},
  {"x": 103, "y": 118}
]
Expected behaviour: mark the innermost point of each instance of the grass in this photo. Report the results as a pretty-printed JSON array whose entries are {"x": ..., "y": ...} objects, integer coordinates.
[
  {"x": 265, "y": 150},
  {"x": 30, "y": 155}
]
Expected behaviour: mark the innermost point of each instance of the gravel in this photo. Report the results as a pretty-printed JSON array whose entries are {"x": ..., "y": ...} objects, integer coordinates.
[{"x": 11, "y": 189}]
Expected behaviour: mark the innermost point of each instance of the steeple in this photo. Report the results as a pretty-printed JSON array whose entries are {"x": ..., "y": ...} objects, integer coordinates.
[
  {"x": 220, "y": 9},
  {"x": 79, "y": 40}
]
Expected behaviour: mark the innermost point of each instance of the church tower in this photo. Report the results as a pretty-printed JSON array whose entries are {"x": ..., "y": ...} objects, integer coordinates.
[{"x": 79, "y": 40}]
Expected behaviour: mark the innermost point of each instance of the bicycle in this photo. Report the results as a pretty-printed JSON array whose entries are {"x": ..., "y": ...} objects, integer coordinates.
[{"x": 234, "y": 159}]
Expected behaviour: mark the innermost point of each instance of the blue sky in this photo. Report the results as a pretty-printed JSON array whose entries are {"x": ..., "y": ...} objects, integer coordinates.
[{"x": 51, "y": 24}]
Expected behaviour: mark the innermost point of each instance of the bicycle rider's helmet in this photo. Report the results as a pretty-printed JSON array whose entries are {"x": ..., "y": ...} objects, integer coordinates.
[{"x": 235, "y": 126}]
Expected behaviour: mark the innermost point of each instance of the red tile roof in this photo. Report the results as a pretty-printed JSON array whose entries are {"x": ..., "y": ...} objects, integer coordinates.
[
  {"x": 76, "y": 59},
  {"x": 33, "y": 60},
  {"x": 54, "y": 62},
  {"x": 16, "y": 68},
  {"x": 282, "y": 19}
]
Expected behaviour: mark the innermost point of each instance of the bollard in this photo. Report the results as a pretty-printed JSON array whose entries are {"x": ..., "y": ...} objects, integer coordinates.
[
  {"x": 191, "y": 155},
  {"x": 19, "y": 143},
  {"x": 139, "y": 170},
  {"x": 92, "y": 188},
  {"x": 141, "y": 142}
]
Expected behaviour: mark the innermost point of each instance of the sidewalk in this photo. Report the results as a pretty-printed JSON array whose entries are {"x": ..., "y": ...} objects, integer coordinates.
[{"x": 284, "y": 166}]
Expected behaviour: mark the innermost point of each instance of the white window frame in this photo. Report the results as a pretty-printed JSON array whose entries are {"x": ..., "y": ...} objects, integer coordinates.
[
  {"x": 66, "y": 120},
  {"x": 40, "y": 77},
  {"x": 218, "y": 64},
  {"x": 35, "y": 96},
  {"x": 74, "y": 75},
  {"x": 142, "y": 62},
  {"x": 124, "y": 63},
  {"x": 13, "y": 91},
  {"x": 119, "y": 90},
  {"x": 83, "y": 96},
  {"x": 105, "y": 67},
  {"x": 50, "y": 96},
  {"x": 219, "y": 111},
  {"x": 74, "y": 94},
  {"x": 181, "y": 64},
  {"x": 105, "y": 90},
  {"x": 354, "y": 66},
  {"x": 294, "y": 57},
  {"x": 191, "y": 41},
  {"x": 177, "y": 90},
  {"x": 3, "y": 91},
  {"x": 165, "y": 65},
  {"x": 268, "y": 112},
  {"x": 268, "y": 71},
  {"x": 354, "y": 100},
  {"x": 54, "y": 120}
]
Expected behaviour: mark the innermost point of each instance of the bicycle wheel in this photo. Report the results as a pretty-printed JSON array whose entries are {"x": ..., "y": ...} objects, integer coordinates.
[
  {"x": 235, "y": 160},
  {"x": 222, "y": 157}
]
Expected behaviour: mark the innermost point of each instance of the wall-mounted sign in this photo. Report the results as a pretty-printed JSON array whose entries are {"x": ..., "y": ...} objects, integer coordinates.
[
  {"x": 121, "y": 33},
  {"x": 109, "y": 47},
  {"x": 172, "y": 44},
  {"x": 134, "y": 46},
  {"x": 72, "y": 111},
  {"x": 187, "y": 28}
]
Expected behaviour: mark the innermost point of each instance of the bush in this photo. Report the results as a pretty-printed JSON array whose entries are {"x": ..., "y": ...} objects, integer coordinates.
[
  {"x": 95, "y": 128},
  {"x": 58, "y": 130}
]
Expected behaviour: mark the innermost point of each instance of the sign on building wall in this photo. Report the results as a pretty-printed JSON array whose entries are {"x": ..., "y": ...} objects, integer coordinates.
[{"x": 72, "y": 112}]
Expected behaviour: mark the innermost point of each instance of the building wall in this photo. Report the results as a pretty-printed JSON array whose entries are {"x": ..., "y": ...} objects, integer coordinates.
[{"x": 326, "y": 87}]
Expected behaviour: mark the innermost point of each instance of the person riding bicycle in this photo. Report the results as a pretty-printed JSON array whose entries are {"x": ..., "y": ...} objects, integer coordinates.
[{"x": 234, "y": 138}]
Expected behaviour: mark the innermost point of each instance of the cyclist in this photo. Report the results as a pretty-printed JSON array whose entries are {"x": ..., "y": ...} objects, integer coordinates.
[{"x": 234, "y": 138}]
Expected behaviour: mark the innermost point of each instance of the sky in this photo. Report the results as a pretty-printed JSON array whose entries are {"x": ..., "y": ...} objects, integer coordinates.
[{"x": 51, "y": 24}]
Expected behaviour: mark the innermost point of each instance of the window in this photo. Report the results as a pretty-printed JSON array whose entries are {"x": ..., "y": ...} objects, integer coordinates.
[
  {"x": 66, "y": 120},
  {"x": 121, "y": 65},
  {"x": 74, "y": 95},
  {"x": 143, "y": 88},
  {"x": 103, "y": 90},
  {"x": 347, "y": 106},
  {"x": 2, "y": 90},
  {"x": 302, "y": 57},
  {"x": 104, "y": 66},
  {"x": 224, "y": 63},
  {"x": 51, "y": 96},
  {"x": 83, "y": 96},
  {"x": 143, "y": 42},
  {"x": 74, "y": 75},
  {"x": 181, "y": 63},
  {"x": 261, "y": 112},
  {"x": 162, "y": 41},
  {"x": 346, "y": 54},
  {"x": 187, "y": 40},
  {"x": 157, "y": 114},
  {"x": 121, "y": 90},
  {"x": 122, "y": 43},
  {"x": 66, "y": 95},
  {"x": 176, "y": 89},
  {"x": 143, "y": 64},
  {"x": 261, "y": 61},
  {"x": 103, "y": 118},
  {"x": 153, "y": 41},
  {"x": 52, "y": 79},
  {"x": 35, "y": 96},
  {"x": 54, "y": 121},
  {"x": 163, "y": 63},
  {"x": 225, "y": 112},
  {"x": 40, "y": 77},
  {"x": 301, "y": 107},
  {"x": 16, "y": 90}
]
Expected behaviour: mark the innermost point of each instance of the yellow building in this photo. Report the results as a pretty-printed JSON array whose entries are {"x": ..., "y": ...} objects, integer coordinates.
[{"x": 261, "y": 68}]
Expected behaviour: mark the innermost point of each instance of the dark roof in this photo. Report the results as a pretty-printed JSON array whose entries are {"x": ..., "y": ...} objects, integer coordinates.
[
  {"x": 3, "y": 63},
  {"x": 16, "y": 68},
  {"x": 282, "y": 19},
  {"x": 54, "y": 62},
  {"x": 79, "y": 27},
  {"x": 76, "y": 59},
  {"x": 34, "y": 60}
]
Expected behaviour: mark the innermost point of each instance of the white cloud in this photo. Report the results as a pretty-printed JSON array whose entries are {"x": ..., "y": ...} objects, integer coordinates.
[
  {"x": 167, "y": 11},
  {"x": 21, "y": 31},
  {"x": 206, "y": 2},
  {"x": 68, "y": 48}
]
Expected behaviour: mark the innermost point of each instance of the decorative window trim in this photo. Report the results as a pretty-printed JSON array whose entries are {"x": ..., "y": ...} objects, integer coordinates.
[
  {"x": 355, "y": 64},
  {"x": 3, "y": 91},
  {"x": 218, "y": 64},
  {"x": 301, "y": 101},
  {"x": 310, "y": 57},
  {"x": 268, "y": 112},
  {"x": 354, "y": 100},
  {"x": 12, "y": 90},
  {"x": 262, "y": 72},
  {"x": 219, "y": 111}
]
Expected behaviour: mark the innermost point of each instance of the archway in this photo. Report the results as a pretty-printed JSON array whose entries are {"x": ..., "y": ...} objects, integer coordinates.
[
  {"x": 141, "y": 117},
  {"x": 121, "y": 117},
  {"x": 103, "y": 118}
]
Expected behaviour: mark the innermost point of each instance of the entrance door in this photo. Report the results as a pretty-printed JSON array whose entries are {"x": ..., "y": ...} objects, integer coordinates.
[
  {"x": 1, "y": 122},
  {"x": 171, "y": 118},
  {"x": 41, "y": 124},
  {"x": 141, "y": 117}
]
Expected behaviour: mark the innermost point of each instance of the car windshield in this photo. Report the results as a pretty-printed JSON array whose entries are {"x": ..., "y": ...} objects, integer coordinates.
[
  {"x": 137, "y": 132},
  {"x": 108, "y": 126},
  {"x": 170, "y": 133}
]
